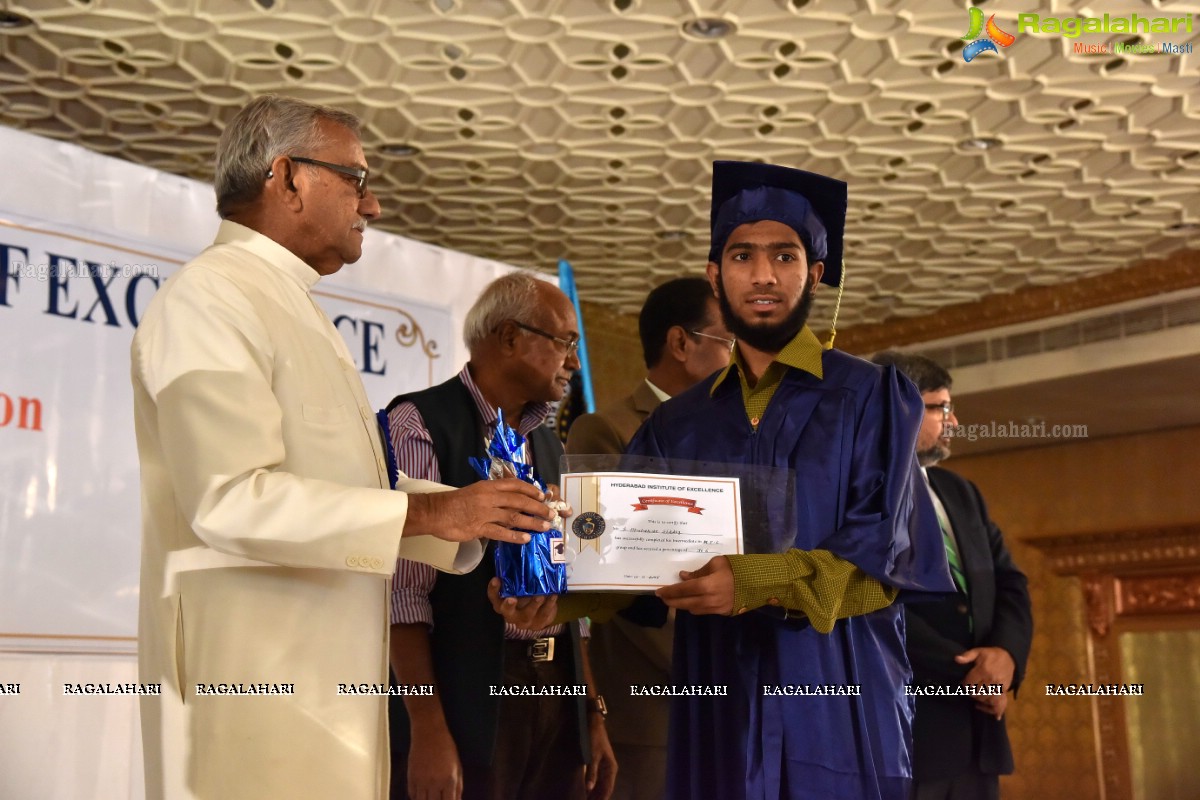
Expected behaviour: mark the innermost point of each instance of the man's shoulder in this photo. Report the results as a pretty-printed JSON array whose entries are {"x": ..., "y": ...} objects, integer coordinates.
[
  {"x": 951, "y": 483},
  {"x": 438, "y": 396},
  {"x": 599, "y": 419},
  {"x": 228, "y": 261},
  {"x": 218, "y": 272},
  {"x": 947, "y": 476},
  {"x": 844, "y": 369},
  {"x": 695, "y": 398},
  {"x": 453, "y": 385},
  {"x": 636, "y": 404},
  {"x": 218, "y": 268},
  {"x": 606, "y": 430}
]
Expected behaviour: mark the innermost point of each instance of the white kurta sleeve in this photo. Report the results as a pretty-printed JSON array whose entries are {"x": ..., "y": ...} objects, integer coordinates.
[{"x": 255, "y": 476}]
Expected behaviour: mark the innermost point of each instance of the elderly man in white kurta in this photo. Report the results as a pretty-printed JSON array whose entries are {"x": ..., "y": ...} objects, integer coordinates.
[{"x": 269, "y": 530}]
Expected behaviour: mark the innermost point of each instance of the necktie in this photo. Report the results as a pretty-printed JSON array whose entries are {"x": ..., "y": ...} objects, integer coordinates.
[{"x": 956, "y": 570}]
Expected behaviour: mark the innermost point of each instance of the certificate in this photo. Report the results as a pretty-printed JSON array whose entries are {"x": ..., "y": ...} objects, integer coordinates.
[{"x": 635, "y": 531}]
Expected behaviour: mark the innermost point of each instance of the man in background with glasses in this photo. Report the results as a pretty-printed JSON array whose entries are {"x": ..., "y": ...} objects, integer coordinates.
[
  {"x": 980, "y": 635},
  {"x": 683, "y": 342},
  {"x": 467, "y": 740},
  {"x": 269, "y": 525}
]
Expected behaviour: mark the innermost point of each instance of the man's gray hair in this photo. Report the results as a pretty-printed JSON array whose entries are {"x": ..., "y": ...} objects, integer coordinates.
[
  {"x": 268, "y": 127},
  {"x": 512, "y": 296}
]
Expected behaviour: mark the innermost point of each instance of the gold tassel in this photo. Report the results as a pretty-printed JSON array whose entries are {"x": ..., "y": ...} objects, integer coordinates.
[{"x": 836, "y": 307}]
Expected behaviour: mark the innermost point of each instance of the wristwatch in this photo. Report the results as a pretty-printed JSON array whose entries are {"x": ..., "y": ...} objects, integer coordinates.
[{"x": 596, "y": 705}]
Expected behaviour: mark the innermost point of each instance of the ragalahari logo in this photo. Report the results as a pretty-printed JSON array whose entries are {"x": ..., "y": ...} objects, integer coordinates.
[{"x": 995, "y": 36}]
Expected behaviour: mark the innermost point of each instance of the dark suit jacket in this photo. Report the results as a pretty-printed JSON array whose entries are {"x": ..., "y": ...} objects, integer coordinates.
[{"x": 948, "y": 733}]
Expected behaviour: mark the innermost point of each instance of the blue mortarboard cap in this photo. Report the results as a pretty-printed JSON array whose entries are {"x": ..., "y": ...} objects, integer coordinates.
[{"x": 812, "y": 205}]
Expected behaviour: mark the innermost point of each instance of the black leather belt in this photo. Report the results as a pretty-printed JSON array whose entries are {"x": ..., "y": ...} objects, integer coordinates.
[{"x": 543, "y": 649}]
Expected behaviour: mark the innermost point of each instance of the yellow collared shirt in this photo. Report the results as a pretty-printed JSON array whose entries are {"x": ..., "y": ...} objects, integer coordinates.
[{"x": 816, "y": 583}]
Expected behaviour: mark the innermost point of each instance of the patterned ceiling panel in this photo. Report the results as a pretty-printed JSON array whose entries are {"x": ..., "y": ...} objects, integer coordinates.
[{"x": 529, "y": 131}]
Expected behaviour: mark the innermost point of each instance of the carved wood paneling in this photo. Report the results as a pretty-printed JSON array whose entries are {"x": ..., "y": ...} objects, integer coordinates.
[
  {"x": 1122, "y": 551},
  {"x": 1124, "y": 576},
  {"x": 1108, "y": 718},
  {"x": 1168, "y": 594},
  {"x": 1097, "y": 598},
  {"x": 1180, "y": 270}
]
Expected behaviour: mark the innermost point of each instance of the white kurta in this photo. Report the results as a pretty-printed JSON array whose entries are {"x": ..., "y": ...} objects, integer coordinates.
[{"x": 268, "y": 536}]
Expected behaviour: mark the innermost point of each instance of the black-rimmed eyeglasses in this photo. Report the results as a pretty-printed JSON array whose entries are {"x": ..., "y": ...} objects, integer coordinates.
[
  {"x": 359, "y": 174},
  {"x": 728, "y": 342},
  {"x": 572, "y": 345},
  {"x": 947, "y": 408}
]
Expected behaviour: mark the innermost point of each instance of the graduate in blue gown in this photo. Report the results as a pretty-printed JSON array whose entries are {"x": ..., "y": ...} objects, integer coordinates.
[{"x": 863, "y": 526}]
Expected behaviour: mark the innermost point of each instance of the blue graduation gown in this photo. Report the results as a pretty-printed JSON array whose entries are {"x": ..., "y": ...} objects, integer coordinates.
[{"x": 850, "y": 438}]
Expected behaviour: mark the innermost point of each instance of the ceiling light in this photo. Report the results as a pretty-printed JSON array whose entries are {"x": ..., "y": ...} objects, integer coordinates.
[
  {"x": 399, "y": 149},
  {"x": 11, "y": 20},
  {"x": 980, "y": 143},
  {"x": 708, "y": 28}
]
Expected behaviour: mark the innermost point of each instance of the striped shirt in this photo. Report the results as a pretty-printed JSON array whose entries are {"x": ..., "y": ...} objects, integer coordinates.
[{"x": 415, "y": 456}]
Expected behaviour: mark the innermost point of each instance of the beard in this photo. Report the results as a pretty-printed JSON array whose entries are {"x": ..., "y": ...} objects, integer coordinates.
[
  {"x": 936, "y": 453},
  {"x": 767, "y": 338}
]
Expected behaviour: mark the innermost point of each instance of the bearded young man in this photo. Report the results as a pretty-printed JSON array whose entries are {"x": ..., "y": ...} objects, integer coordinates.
[{"x": 823, "y": 613}]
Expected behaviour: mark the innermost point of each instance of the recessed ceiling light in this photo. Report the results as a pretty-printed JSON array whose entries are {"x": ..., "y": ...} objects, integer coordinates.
[
  {"x": 980, "y": 143},
  {"x": 11, "y": 20},
  {"x": 399, "y": 149},
  {"x": 708, "y": 28}
]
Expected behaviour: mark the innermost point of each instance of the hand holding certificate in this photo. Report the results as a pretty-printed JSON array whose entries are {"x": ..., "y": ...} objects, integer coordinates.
[{"x": 637, "y": 532}]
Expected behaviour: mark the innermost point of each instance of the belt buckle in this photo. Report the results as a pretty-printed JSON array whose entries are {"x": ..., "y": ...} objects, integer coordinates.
[{"x": 542, "y": 649}]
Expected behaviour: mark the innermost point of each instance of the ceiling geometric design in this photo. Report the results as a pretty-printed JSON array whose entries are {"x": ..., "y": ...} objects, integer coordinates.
[{"x": 528, "y": 131}]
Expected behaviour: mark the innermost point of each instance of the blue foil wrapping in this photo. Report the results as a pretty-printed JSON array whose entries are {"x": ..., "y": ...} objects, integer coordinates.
[{"x": 525, "y": 570}]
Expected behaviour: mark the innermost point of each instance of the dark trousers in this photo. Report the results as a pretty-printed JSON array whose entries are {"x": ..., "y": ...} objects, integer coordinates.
[
  {"x": 973, "y": 785},
  {"x": 641, "y": 771},
  {"x": 536, "y": 755}
]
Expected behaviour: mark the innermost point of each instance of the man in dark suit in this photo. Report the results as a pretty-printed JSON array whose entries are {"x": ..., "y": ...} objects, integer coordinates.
[
  {"x": 683, "y": 341},
  {"x": 980, "y": 636}
]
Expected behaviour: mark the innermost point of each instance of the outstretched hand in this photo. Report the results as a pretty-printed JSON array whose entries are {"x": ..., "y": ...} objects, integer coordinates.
[
  {"x": 708, "y": 590},
  {"x": 500, "y": 509},
  {"x": 531, "y": 613}
]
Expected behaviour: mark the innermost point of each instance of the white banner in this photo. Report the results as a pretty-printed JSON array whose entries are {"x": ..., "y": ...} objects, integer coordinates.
[{"x": 79, "y": 261}]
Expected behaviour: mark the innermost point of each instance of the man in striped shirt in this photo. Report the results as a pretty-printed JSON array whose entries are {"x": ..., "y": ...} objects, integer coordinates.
[{"x": 498, "y": 725}]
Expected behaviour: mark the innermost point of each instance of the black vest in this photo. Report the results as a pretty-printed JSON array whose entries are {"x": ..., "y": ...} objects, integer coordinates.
[{"x": 467, "y": 640}]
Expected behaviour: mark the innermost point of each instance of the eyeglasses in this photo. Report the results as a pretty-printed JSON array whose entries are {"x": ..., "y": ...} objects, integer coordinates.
[
  {"x": 359, "y": 174},
  {"x": 947, "y": 408},
  {"x": 572, "y": 345},
  {"x": 728, "y": 342}
]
